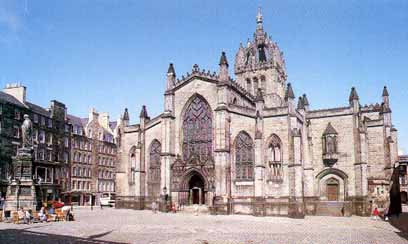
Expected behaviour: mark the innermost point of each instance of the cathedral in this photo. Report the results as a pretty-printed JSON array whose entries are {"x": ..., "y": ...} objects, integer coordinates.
[{"x": 249, "y": 146}]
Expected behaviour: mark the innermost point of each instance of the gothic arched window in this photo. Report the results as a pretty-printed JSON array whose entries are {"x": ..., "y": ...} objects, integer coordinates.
[
  {"x": 197, "y": 130},
  {"x": 275, "y": 158},
  {"x": 261, "y": 53},
  {"x": 249, "y": 85},
  {"x": 154, "y": 168},
  {"x": 256, "y": 85},
  {"x": 244, "y": 157},
  {"x": 263, "y": 83}
]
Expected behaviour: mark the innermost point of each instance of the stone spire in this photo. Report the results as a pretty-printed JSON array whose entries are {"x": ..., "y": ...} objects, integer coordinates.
[
  {"x": 143, "y": 113},
  {"x": 223, "y": 71},
  {"x": 289, "y": 92},
  {"x": 171, "y": 77}
]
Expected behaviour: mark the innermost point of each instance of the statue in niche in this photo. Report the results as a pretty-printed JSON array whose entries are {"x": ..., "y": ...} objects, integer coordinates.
[
  {"x": 27, "y": 132},
  {"x": 330, "y": 145}
]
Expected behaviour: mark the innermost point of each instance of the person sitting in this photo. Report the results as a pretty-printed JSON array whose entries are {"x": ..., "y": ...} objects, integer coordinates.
[
  {"x": 21, "y": 215},
  {"x": 66, "y": 210},
  {"x": 42, "y": 215},
  {"x": 28, "y": 216}
]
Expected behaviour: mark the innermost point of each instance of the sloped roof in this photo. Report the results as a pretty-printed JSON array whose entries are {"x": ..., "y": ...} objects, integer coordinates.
[
  {"x": 10, "y": 99},
  {"x": 38, "y": 109},
  {"x": 74, "y": 120}
]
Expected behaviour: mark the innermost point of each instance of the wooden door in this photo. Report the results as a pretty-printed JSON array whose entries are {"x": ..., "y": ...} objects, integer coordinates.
[{"x": 332, "y": 192}]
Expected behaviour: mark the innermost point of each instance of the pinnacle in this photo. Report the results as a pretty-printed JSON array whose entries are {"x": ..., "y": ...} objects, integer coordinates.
[
  {"x": 171, "y": 69},
  {"x": 289, "y": 92},
  {"x": 385, "y": 92},
  {"x": 353, "y": 94},
  {"x": 223, "y": 59}
]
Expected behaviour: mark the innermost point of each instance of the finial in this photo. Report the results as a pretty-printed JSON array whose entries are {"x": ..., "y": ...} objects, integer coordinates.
[{"x": 259, "y": 16}]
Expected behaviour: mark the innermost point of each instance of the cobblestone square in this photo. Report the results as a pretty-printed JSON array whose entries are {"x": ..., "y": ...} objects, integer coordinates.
[{"x": 142, "y": 227}]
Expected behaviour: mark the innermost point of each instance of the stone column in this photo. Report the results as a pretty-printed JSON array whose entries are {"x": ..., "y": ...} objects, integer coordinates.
[
  {"x": 296, "y": 207},
  {"x": 139, "y": 170}
]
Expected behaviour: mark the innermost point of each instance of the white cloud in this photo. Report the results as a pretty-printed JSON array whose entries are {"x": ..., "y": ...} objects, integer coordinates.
[{"x": 401, "y": 151}]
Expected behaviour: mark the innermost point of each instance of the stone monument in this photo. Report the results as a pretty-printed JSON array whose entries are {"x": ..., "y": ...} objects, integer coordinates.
[{"x": 22, "y": 191}]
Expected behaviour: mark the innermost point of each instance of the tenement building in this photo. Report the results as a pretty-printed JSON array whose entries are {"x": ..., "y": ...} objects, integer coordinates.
[
  {"x": 93, "y": 158},
  {"x": 50, "y": 132},
  {"x": 403, "y": 177},
  {"x": 248, "y": 146}
]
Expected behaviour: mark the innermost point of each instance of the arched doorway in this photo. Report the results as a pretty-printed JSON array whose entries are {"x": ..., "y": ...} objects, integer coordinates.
[
  {"x": 332, "y": 190},
  {"x": 196, "y": 189}
]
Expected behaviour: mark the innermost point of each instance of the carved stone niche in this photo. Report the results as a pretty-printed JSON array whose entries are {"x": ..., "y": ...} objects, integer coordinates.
[{"x": 329, "y": 141}]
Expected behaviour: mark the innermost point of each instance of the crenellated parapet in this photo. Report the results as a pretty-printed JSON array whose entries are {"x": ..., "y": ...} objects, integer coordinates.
[{"x": 196, "y": 72}]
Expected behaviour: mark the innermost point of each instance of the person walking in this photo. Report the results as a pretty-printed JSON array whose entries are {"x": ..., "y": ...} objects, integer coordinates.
[
  {"x": 376, "y": 214},
  {"x": 154, "y": 207}
]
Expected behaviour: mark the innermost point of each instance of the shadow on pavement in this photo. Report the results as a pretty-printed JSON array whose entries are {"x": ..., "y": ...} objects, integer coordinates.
[
  {"x": 401, "y": 223},
  {"x": 19, "y": 236}
]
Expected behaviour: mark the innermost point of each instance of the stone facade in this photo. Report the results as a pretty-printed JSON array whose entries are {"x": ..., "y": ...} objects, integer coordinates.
[
  {"x": 243, "y": 146},
  {"x": 50, "y": 130},
  {"x": 94, "y": 157},
  {"x": 403, "y": 178}
]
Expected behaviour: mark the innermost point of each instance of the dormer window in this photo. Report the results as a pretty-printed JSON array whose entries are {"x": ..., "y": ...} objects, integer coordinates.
[{"x": 329, "y": 140}]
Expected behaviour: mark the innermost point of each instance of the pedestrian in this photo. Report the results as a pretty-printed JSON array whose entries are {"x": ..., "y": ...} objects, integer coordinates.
[
  {"x": 375, "y": 214},
  {"x": 154, "y": 206},
  {"x": 196, "y": 210}
]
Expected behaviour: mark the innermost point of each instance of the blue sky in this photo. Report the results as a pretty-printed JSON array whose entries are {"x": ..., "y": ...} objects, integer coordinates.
[{"x": 114, "y": 54}]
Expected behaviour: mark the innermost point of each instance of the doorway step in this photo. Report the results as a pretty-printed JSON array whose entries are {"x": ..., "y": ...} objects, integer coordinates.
[
  {"x": 202, "y": 209},
  {"x": 330, "y": 208}
]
